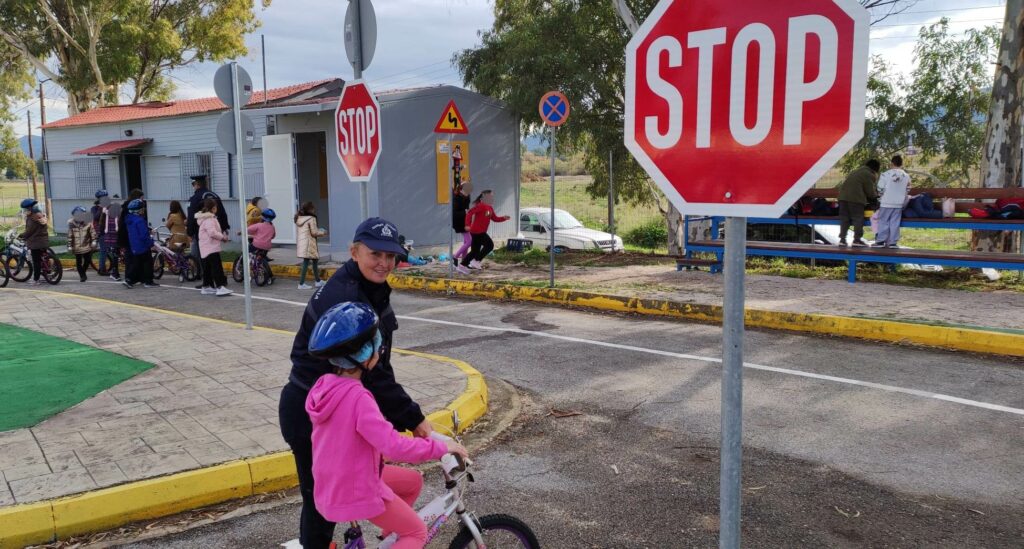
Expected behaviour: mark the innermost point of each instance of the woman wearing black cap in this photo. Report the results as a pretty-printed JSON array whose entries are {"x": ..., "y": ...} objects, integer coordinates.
[{"x": 363, "y": 279}]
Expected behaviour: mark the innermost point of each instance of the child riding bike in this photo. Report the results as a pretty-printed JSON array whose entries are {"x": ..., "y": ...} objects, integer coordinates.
[{"x": 351, "y": 438}]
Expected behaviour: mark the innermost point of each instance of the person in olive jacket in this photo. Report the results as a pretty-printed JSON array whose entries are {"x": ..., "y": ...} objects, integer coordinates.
[
  {"x": 36, "y": 235},
  {"x": 362, "y": 279},
  {"x": 859, "y": 189}
]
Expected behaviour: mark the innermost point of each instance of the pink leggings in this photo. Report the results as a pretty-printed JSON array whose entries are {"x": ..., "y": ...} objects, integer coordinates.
[
  {"x": 398, "y": 515},
  {"x": 467, "y": 241}
]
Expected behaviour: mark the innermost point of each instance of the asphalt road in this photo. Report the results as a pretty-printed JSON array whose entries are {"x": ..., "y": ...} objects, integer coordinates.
[{"x": 846, "y": 443}]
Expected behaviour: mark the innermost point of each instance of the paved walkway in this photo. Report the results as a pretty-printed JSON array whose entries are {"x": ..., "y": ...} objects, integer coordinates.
[{"x": 211, "y": 397}]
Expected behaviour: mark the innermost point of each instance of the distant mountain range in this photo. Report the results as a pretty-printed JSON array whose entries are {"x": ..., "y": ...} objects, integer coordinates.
[{"x": 37, "y": 144}]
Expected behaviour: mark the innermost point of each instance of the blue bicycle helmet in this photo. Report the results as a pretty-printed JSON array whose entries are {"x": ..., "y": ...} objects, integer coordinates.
[
  {"x": 101, "y": 193},
  {"x": 268, "y": 215},
  {"x": 135, "y": 205},
  {"x": 78, "y": 209},
  {"x": 345, "y": 330},
  {"x": 28, "y": 203}
]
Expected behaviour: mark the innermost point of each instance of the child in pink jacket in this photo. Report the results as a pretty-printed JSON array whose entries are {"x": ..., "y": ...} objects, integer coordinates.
[
  {"x": 351, "y": 438},
  {"x": 211, "y": 236}
]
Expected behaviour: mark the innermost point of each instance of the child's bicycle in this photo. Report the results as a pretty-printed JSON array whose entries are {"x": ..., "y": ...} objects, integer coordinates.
[
  {"x": 18, "y": 261},
  {"x": 176, "y": 261},
  {"x": 259, "y": 268},
  {"x": 486, "y": 532}
]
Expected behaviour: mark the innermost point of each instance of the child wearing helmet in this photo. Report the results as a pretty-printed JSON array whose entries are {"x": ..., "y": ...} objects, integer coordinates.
[
  {"x": 36, "y": 235},
  {"x": 261, "y": 234},
  {"x": 81, "y": 239},
  {"x": 351, "y": 437},
  {"x": 141, "y": 243}
]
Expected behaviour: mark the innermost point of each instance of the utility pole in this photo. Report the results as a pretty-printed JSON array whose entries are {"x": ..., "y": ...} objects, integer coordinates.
[
  {"x": 46, "y": 165},
  {"x": 32, "y": 155}
]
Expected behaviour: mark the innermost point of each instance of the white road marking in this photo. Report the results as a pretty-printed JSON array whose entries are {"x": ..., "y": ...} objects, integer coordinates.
[{"x": 713, "y": 360}]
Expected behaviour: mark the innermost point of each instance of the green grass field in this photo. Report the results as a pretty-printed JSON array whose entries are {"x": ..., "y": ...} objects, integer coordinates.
[
  {"x": 571, "y": 196},
  {"x": 11, "y": 195}
]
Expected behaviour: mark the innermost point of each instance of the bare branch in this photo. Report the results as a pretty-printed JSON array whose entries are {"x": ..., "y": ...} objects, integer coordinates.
[
  {"x": 55, "y": 25},
  {"x": 17, "y": 44}
]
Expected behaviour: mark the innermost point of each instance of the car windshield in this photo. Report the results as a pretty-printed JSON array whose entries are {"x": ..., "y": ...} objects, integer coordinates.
[{"x": 563, "y": 220}]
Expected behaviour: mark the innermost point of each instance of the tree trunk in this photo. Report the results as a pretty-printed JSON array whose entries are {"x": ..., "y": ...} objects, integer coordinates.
[
  {"x": 676, "y": 234},
  {"x": 1001, "y": 166}
]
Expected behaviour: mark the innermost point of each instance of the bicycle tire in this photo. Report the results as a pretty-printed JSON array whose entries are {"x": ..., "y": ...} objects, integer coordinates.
[
  {"x": 236, "y": 270},
  {"x": 192, "y": 270},
  {"x": 262, "y": 273},
  {"x": 488, "y": 523},
  {"x": 18, "y": 264},
  {"x": 5, "y": 277},
  {"x": 53, "y": 270},
  {"x": 158, "y": 266}
]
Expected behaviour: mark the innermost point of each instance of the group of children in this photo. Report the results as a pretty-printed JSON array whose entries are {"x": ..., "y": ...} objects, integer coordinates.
[{"x": 472, "y": 221}]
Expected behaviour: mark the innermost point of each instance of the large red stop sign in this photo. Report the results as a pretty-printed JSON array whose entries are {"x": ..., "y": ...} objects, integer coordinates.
[
  {"x": 737, "y": 108},
  {"x": 357, "y": 128}
]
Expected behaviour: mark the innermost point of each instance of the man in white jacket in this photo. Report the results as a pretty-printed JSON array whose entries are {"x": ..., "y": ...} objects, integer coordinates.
[{"x": 893, "y": 186}]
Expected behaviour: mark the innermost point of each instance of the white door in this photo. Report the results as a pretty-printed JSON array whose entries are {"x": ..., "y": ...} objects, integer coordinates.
[{"x": 279, "y": 184}]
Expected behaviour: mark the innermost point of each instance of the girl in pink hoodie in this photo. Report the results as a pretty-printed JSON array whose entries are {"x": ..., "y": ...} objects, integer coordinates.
[{"x": 351, "y": 438}]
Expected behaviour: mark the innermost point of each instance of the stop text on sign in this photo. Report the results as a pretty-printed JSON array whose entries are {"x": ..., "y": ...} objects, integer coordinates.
[
  {"x": 754, "y": 45},
  {"x": 356, "y": 129},
  {"x": 737, "y": 108}
]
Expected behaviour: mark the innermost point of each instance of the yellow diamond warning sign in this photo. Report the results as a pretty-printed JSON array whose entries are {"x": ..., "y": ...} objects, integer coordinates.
[{"x": 451, "y": 120}]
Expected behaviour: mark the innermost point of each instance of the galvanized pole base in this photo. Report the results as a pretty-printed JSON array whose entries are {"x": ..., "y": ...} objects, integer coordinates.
[
  {"x": 730, "y": 496},
  {"x": 451, "y": 204},
  {"x": 554, "y": 130},
  {"x": 240, "y": 174}
]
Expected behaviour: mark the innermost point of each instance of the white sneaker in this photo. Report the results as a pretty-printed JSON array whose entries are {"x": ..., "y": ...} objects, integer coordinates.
[
  {"x": 208, "y": 290},
  {"x": 462, "y": 270},
  {"x": 475, "y": 265},
  {"x": 222, "y": 291},
  {"x": 305, "y": 287},
  {"x": 319, "y": 283}
]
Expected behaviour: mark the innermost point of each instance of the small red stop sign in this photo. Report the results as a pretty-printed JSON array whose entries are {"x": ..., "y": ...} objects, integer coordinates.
[
  {"x": 357, "y": 126},
  {"x": 737, "y": 108}
]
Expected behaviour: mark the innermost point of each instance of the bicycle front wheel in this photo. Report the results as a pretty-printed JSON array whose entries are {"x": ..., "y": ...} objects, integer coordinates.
[
  {"x": 19, "y": 267},
  {"x": 499, "y": 532},
  {"x": 158, "y": 266},
  {"x": 236, "y": 270}
]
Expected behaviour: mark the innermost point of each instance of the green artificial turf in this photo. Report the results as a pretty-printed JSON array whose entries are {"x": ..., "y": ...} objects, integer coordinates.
[{"x": 42, "y": 375}]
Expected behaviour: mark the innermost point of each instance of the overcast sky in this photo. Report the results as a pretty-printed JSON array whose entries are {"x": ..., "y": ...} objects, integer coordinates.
[{"x": 416, "y": 40}]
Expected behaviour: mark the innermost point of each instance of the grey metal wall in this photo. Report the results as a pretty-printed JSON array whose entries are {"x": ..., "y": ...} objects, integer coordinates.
[
  {"x": 407, "y": 168},
  {"x": 161, "y": 174}
]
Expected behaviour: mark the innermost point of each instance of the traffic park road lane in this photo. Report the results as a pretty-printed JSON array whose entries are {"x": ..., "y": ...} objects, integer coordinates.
[{"x": 924, "y": 445}]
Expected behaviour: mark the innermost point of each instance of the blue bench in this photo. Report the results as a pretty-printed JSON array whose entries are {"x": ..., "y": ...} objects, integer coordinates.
[{"x": 852, "y": 255}]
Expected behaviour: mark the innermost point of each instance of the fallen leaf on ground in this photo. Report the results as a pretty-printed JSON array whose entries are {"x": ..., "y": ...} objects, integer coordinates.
[
  {"x": 564, "y": 413},
  {"x": 976, "y": 511}
]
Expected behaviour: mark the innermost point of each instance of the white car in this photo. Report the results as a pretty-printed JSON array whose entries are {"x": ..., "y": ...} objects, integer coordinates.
[{"x": 570, "y": 234}]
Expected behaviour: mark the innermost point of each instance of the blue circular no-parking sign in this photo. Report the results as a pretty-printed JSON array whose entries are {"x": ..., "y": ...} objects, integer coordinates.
[{"x": 554, "y": 108}]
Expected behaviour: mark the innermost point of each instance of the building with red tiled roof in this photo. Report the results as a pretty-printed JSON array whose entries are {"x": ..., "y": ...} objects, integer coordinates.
[
  {"x": 158, "y": 147},
  {"x": 183, "y": 107}
]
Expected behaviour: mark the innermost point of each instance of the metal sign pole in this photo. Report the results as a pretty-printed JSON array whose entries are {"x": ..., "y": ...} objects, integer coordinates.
[
  {"x": 732, "y": 383},
  {"x": 451, "y": 203},
  {"x": 357, "y": 73},
  {"x": 239, "y": 151},
  {"x": 554, "y": 131},
  {"x": 611, "y": 198}
]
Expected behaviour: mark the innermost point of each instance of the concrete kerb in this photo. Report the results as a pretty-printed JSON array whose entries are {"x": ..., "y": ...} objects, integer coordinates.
[
  {"x": 892, "y": 331},
  {"x": 46, "y": 521},
  {"x": 945, "y": 337}
]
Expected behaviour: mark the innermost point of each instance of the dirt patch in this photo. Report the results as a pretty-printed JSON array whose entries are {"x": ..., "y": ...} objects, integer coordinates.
[{"x": 998, "y": 309}]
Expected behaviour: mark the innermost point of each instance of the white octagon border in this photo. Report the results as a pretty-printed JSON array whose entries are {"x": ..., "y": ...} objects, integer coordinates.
[
  {"x": 858, "y": 99},
  {"x": 380, "y": 133}
]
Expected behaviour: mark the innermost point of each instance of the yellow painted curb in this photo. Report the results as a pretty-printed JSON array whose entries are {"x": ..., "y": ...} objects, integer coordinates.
[
  {"x": 43, "y": 522},
  {"x": 23, "y": 525},
  {"x": 946, "y": 337}
]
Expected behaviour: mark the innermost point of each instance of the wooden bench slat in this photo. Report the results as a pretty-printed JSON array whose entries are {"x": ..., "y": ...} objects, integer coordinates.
[
  {"x": 973, "y": 193},
  {"x": 910, "y": 254}
]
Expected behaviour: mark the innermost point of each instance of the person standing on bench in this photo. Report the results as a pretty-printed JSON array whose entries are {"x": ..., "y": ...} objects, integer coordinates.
[
  {"x": 893, "y": 186},
  {"x": 855, "y": 193}
]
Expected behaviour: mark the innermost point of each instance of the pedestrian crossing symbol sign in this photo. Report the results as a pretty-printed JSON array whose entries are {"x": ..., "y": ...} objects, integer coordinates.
[{"x": 451, "y": 120}]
